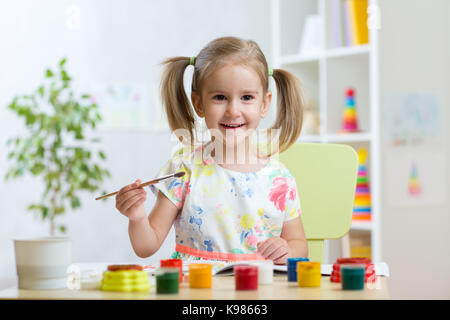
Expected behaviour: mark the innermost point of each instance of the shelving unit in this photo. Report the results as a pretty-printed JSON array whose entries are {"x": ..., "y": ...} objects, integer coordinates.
[{"x": 325, "y": 76}]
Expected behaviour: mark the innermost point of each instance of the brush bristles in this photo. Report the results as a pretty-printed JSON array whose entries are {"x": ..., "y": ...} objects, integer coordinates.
[{"x": 179, "y": 174}]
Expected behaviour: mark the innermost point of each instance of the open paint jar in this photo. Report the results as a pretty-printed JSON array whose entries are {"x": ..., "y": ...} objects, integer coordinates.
[
  {"x": 292, "y": 268},
  {"x": 43, "y": 263},
  {"x": 167, "y": 280},
  {"x": 308, "y": 274},
  {"x": 352, "y": 276},
  {"x": 200, "y": 275},
  {"x": 174, "y": 263},
  {"x": 265, "y": 271},
  {"x": 246, "y": 277}
]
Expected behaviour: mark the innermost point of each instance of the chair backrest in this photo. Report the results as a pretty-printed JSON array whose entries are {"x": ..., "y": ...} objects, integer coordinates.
[{"x": 326, "y": 180}]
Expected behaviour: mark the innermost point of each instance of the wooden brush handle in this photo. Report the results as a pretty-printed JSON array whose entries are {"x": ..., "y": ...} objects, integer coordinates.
[{"x": 142, "y": 185}]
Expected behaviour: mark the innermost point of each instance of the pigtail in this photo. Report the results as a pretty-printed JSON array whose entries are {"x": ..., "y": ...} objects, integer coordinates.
[
  {"x": 179, "y": 111},
  {"x": 289, "y": 109}
]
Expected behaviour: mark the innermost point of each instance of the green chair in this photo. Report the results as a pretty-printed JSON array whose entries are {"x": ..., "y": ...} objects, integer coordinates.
[{"x": 326, "y": 180}]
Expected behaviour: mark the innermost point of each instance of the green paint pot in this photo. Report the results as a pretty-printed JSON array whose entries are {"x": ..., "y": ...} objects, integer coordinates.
[
  {"x": 167, "y": 280},
  {"x": 352, "y": 277}
]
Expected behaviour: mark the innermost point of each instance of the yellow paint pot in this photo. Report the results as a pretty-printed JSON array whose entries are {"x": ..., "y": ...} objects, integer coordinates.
[
  {"x": 200, "y": 275},
  {"x": 308, "y": 274}
]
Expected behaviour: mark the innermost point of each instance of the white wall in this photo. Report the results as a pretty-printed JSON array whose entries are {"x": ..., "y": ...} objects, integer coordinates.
[
  {"x": 415, "y": 57},
  {"x": 118, "y": 41}
]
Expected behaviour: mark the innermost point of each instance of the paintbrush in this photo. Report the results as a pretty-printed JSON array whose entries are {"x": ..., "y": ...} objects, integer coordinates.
[{"x": 173, "y": 175}]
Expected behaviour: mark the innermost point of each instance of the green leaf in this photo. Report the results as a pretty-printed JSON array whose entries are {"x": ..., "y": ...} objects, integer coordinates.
[
  {"x": 34, "y": 207},
  {"x": 13, "y": 105},
  {"x": 19, "y": 172},
  {"x": 44, "y": 212},
  {"x": 62, "y": 62},
  {"x": 75, "y": 202},
  {"x": 102, "y": 155},
  {"x": 60, "y": 210},
  {"x": 41, "y": 91},
  {"x": 49, "y": 73},
  {"x": 37, "y": 168},
  {"x": 65, "y": 76},
  {"x": 62, "y": 228}
]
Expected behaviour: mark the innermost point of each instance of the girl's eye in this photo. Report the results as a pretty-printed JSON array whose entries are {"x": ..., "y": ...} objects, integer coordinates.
[
  {"x": 247, "y": 97},
  {"x": 219, "y": 97}
]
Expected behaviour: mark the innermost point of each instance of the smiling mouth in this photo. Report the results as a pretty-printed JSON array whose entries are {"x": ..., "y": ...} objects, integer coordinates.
[{"x": 232, "y": 125}]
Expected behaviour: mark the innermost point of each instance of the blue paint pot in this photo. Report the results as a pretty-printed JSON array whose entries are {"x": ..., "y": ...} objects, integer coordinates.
[{"x": 292, "y": 268}]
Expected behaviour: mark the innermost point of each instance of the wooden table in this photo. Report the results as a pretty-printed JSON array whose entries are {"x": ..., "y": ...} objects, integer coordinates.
[{"x": 222, "y": 289}]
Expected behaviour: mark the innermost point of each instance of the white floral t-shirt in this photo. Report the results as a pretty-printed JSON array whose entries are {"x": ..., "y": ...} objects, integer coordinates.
[{"x": 225, "y": 213}]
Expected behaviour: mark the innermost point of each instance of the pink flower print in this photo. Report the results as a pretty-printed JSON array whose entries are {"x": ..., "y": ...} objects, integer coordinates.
[
  {"x": 178, "y": 192},
  {"x": 292, "y": 194},
  {"x": 252, "y": 240},
  {"x": 278, "y": 193},
  {"x": 208, "y": 161},
  {"x": 188, "y": 187}
]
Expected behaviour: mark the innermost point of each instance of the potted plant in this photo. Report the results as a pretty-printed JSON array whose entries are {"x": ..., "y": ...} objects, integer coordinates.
[{"x": 55, "y": 147}]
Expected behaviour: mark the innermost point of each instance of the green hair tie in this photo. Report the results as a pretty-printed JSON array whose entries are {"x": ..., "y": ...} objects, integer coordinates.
[
  {"x": 192, "y": 61},
  {"x": 270, "y": 72}
]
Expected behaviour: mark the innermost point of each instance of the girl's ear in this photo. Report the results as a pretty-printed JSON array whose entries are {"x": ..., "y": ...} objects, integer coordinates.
[
  {"x": 266, "y": 104},
  {"x": 197, "y": 104}
]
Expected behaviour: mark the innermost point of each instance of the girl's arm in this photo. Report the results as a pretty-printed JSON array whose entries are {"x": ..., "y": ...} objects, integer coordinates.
[
  {"x": 148, "y": 234},
  {"x": 291, "y": 243},
  {"x": 295, "y": 237}
]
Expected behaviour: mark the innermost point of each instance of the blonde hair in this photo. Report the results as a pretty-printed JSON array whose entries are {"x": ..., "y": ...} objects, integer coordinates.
[{"x": 180, "y": 113}]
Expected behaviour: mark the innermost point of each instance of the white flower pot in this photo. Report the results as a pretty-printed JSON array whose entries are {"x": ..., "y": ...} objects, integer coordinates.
[{"x": 42, "y": 263}]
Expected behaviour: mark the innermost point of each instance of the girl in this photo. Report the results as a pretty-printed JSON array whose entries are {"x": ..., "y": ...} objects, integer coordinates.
[{"x": 224, "y": 208}]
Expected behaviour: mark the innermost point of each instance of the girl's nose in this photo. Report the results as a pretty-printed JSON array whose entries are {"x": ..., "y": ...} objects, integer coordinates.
[{"x": 233, "y": 109}]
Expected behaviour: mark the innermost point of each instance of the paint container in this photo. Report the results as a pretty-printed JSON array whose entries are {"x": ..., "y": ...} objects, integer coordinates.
[
  {"x": 173, "y": 263},
  {"x": 292, "y": 268},
  {"x": 200, "y": 275},
  {"x": 246, "y": 277},
  {"x": 265, "y": 271},
  {"x": 352, "y": 276},
  {"x": 43, "y": 263},
  {"x": 167, "y": 280},
  {"x": 370, "y": 275},
  {"x": 125, "y": 281},
  {"x": 308, "y": 274}
]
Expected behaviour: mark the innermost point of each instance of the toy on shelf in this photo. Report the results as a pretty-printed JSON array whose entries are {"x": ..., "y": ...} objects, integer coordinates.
[
  {"x": 362, "y": 206},
  {"x": 125, "y": 278},
  {"x": 360, "y": 245},
  {"x": 414, "y": 186},
  {"x": 350, "y": 120}
]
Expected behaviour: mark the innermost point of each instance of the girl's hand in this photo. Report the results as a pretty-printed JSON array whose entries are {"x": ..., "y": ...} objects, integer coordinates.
[
  {"x": 275, "y": 248},
  {"x": 130, "y": 201}
]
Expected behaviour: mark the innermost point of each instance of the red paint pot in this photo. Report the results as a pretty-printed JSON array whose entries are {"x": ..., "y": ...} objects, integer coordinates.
[
  {"x": 246, "y": 277},
  {"x": 174, "y": 263}
]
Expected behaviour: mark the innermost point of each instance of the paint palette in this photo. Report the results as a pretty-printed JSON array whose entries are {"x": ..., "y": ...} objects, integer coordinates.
[
  {"x": 366, "y": 262},
  {"x": 125, "y": 280}
]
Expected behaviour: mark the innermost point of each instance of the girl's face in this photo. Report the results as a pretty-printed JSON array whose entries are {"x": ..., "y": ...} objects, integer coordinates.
[{"x": 233, "y": 101}]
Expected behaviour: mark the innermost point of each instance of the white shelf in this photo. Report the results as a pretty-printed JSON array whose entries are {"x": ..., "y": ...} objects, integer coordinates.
[
  {"x": 348, "y": 51},
  {"x": 348, "y": 137},
  {"x": 337, "y": 137},
  {"x": 330, "y": 54},
  {"x": 362, "y": 225},
  {"x": 298, "y": 58},
  {"x": 310, "y": 138},
  {"x": 326, "y": 74}
]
